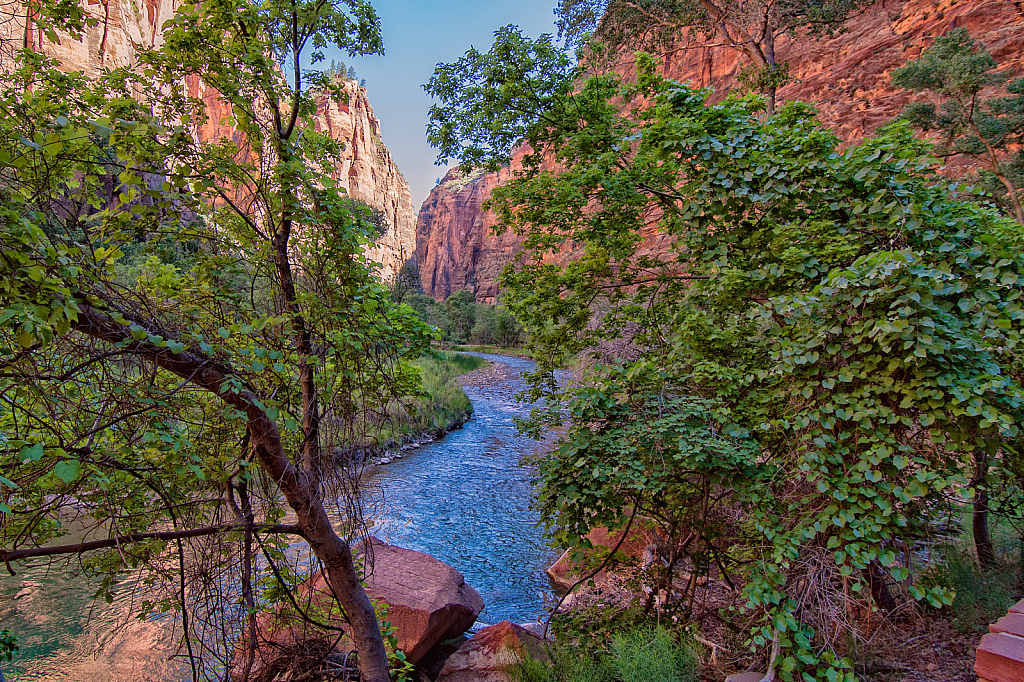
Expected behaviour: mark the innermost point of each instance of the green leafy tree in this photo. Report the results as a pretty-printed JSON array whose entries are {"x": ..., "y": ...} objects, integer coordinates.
[
  {"x": 751, "y": 27},
  {"x": 821, "y": 342},
  {"x": 192, "y": 342},
  {"x": 460, "y": 315},
  {"x": 954, "y": 72}
]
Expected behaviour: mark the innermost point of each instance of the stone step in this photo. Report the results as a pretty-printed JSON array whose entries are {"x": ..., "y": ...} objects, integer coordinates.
[
  {"x": 1012, "y": 624},
  {"x": 1000, "y": 658}
]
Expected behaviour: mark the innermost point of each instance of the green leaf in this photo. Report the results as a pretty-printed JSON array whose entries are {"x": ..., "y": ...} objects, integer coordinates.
[
  {"x": 68, "y": 470},
  {"x": 32, "y": 453}
]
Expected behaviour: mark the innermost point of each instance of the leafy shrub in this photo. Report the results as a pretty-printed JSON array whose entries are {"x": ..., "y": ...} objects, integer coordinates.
[{"x": 640, "y": 654}]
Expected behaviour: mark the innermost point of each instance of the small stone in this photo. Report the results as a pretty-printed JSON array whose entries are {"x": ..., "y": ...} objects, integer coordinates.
[{"x": 931, "y": 667}]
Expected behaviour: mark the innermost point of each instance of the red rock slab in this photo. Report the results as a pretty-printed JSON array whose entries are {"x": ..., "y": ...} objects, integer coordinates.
[
  {"x": 1011, "y": 624},
  {"x": 1018, "y": 607},
  {"x": 1000, "y": 658},
  {"x": 487, "y": 655},
  {"x": 564, "y": 573}
]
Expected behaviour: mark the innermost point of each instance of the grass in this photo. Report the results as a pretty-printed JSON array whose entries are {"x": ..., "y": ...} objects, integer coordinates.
[
  {"x": 982, "y": 597},
  {"x": 442, "y": 406},
  {"x": 638, "y": 654}
]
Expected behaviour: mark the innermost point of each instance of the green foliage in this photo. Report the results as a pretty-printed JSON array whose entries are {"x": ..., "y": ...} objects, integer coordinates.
[
  {"x": 638, "y": 654},
  {"x": 462, "y": 321},
  {"x": 982, "y": 597},
  {"x": 190, "y": 332},
  {"x": 476, "y": 121},
  {"x": 8, "y": 644},
  {"x": 955, "y": 70},
  {"x": 651, "y": 655},
  {"x": 823, "y": 341},
  {"x": 401, "y": 669}
]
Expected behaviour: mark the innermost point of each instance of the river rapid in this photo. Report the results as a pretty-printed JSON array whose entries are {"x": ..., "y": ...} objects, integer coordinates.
[{"x": 464, "y": 499}]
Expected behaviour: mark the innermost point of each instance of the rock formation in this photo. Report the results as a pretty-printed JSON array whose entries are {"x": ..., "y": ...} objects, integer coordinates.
[
  {"x": 1000, "y": 656},
  {"x": 564, "y": 573},
  {"x": 488, "y": 654},
  {"x": 367, "y": 170},
  {"x": 428, "y": 603},
  {"x": 847, "y": 77}
]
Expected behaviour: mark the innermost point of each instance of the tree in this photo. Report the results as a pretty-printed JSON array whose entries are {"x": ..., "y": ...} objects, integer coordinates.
[
  {"x": 819, "y": 344},
  {"x": 955, "y": 70},
  {"x": 750, "y": 27},
  {"x": 193, "y": 343},
  {"x": 460, "y": 315}
]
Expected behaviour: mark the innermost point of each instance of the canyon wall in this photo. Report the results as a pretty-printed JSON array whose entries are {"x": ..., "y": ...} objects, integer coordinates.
[
  {"x": 366, "y": 171},
  {"x": 846, "y": 77}
]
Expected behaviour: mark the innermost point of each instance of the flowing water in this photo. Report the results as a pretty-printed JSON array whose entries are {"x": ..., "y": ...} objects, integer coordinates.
[{"x": 464, "y": 499}]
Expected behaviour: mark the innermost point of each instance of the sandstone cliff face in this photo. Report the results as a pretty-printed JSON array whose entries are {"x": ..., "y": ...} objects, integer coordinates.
[
  {"x": 455, "y": 245},
  {"x": 369, "y": 174},
  {"x": 367, "y": 170},
  {"x": 847, "y": 77}
]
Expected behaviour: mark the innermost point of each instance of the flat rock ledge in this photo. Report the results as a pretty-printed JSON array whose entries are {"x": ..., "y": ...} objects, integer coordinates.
[{"x": 1000, "y": 656}]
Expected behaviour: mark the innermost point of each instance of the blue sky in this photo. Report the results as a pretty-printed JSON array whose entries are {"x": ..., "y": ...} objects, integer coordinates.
[{"x": 417, "y": 35}]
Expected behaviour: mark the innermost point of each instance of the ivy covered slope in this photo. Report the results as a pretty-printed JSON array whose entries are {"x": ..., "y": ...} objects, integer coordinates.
[{"x": 825, "y": 360}]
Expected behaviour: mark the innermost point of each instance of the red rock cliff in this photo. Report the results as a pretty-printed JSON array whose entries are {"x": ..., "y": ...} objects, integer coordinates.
[
  {"x": 367, "y": 170},
  {"x": 847, "y": 77}
]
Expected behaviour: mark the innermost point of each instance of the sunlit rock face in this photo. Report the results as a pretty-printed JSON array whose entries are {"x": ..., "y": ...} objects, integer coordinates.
[
  {"x": 124, "y": 27},
  {"x": 846, "y": 77}
]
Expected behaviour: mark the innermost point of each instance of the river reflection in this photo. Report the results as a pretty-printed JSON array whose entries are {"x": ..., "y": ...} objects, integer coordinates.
[
  {"x": 463, "y": 499},
  {"x": 65, "y": 635}
]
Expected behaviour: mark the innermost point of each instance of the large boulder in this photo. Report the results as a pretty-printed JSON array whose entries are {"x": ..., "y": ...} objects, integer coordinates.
[
  {"x": 428, "y": 600},
  {"x": 428, "y": 603},
  {"x": 488, "y": 654}
]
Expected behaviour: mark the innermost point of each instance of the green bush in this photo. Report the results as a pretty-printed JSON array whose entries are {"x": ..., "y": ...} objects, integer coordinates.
[
  {"x": 651, "y": 655},
  {"x": 640, "y": 654},
  {"x": 981, "y": 596}
]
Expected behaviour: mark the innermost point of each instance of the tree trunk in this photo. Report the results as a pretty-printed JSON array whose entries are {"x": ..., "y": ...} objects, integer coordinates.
[
  {"x": 879, "y": 588},
  {"x": 979, "y": 522},
  {"x": 265, "y": 439},
  {"x": 982, "y": 539}
]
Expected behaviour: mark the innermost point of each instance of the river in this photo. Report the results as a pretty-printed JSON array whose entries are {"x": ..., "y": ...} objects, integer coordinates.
[{"x": 464, "y": 499}]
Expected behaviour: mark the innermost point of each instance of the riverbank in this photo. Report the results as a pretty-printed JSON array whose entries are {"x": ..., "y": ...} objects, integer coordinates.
[
  {"x": 442, "y": 407},
  {"x": 492, "y": 350}
]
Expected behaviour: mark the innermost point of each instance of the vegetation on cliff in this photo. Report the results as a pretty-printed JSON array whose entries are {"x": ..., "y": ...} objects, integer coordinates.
[
  {"x": 824, "y": 364},
  {"x": 955, "y": 72}
]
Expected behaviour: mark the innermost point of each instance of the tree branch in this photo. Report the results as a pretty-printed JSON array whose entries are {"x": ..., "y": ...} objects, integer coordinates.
[{"x": 9, "y": 555}]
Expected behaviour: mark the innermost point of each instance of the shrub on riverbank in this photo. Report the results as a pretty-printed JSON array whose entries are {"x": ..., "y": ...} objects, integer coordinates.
[
  {"x": 440, "y": 406},
  {"x": 639, "y": 654}
]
